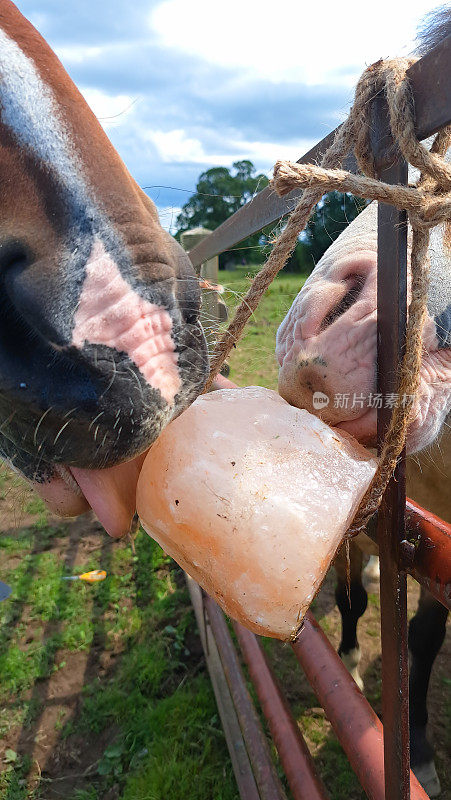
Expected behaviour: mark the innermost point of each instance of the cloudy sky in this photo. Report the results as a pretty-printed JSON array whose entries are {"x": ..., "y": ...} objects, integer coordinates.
[{"x": 183, "y": 85}]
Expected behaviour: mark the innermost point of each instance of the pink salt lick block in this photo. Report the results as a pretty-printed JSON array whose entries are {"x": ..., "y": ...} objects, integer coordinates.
[{"x": 252, "y": 497}]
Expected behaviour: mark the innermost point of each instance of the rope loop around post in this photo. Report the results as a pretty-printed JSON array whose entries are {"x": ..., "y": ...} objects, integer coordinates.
[{"x": 428, "y": 204}]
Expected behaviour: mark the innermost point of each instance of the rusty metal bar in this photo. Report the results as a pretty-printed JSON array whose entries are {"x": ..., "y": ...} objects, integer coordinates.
[
  {"x": 295, "y": 757},
  {"x": 431, "y": 86},
  {"x": 267, "y": 781},
  {"x": 429, "y": 79},
  {"x": 426, "y": 553},
  {"x": 391, "y": 325},
  {"x": 356, "y": 725},
  {"x": 432, "y": 97}
]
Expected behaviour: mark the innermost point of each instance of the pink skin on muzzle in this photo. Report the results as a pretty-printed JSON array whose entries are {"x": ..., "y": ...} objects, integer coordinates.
[
  {"x": 110, "y": 312},
  {"x": 326, "y": 345},
  {"x": 336, "y": 358}
]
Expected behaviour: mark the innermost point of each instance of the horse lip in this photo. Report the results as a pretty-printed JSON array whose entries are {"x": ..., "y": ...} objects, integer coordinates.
[
  {"x": 110, "y": 493},
  {"x": 68, "y": 478}
]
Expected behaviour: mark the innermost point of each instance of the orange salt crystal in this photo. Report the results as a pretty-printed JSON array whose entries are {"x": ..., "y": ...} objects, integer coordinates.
[{"x": 252, "y": 497}]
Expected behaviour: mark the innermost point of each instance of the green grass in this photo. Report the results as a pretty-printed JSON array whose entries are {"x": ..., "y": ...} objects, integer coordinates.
[
  {"x": 148, "y": 720},
  {"x": 253, "y": 362},
  {"x": 51, "y": 602},
  {"x": 13, "y": 779},
  {"x": 155, "y": 710}
]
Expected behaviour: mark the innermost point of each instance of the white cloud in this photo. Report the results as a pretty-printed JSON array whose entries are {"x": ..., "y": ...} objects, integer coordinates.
[
  {"x": 78, "y": 53},
  {"x": 175, "y": 147},
  {"x": 110, "y": 110},
  {"x": 270, "y": 152},
  {"x": 293, "y": 41},
  {"x": 192, "y": 115}
]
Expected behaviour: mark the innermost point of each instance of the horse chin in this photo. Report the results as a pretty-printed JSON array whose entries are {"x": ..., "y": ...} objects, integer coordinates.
[
  {"x": 61, "y": 494},
  {"x": 110, "y": 492}
]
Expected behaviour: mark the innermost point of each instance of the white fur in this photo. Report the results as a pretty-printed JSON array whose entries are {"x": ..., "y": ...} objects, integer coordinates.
[
  {"x": 351, "y": 661},
  {"x": 30, "y": 111},
  {"x": 371, "y": 575}
]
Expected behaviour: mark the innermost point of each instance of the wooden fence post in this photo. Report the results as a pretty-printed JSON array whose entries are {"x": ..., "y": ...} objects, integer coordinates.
[{"x": 214, "y": 310}]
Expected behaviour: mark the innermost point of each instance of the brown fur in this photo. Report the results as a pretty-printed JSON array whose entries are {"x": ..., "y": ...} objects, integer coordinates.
[
  {"x": 124, "y": 202},
  {"x": 60, "y": 196}
]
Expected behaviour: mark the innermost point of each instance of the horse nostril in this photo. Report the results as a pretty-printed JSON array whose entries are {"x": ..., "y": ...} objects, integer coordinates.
[
  {"x": 354, "y": 285},
  {"x": 14, "y": 259},
  {"x": 13, "y": 254},
  {"x": 14, "y": 331}
]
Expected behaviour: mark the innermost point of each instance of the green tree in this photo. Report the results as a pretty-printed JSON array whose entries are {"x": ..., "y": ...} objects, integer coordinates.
[
  {"x": 219, "y": 193},
  {"x": 332, "y": 215}
]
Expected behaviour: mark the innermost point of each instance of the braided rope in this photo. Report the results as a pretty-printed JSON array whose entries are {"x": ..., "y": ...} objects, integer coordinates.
[{"x": 428, "y": 204}]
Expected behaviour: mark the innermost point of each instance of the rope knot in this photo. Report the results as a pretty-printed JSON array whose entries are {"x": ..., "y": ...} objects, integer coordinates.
[{"x": 434, "y": 211}]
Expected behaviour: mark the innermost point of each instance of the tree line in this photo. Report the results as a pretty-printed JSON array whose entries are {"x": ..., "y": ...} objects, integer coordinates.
[{"x": 221, "y": 191}]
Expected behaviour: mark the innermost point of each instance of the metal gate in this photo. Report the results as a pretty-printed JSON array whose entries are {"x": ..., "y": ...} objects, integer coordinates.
[{"x": 411, "y": 540}]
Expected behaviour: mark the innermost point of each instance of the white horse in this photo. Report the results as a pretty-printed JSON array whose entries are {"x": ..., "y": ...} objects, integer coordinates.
[{"x": 327, "y": 344}]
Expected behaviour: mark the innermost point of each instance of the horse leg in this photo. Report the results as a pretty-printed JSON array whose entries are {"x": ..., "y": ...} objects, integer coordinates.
[
  {"x": 352, "y": 605},
  {"x": 371, "y": 575},
  {"x": 426, "y": 634}
]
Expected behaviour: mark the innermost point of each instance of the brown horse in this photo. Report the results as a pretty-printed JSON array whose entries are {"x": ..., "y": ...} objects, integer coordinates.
[{"x": 100, "y": 344}]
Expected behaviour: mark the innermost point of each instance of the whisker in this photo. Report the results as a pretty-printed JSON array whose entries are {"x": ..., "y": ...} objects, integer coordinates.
[
  {"x": 112, "y": 378},
  {"x": 135, "y": 378},
  {"x": 7, "y": 421},
  {"x": 38, "y": 425},
  {"x": 61, "y": 430},
  {"x": 95, "y": 419}
]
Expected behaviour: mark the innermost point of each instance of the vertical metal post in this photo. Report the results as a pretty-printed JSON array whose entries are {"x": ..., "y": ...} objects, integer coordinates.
[
  {"x": 391, "y": 305},
  {"x": 241, "y": 763}
]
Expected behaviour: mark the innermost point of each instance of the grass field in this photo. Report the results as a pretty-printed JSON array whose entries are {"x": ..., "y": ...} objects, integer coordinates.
[
  {"x": 253, "y": 361},
  {"x": 103, "y": 688}
]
